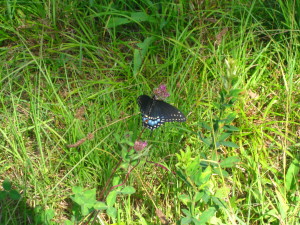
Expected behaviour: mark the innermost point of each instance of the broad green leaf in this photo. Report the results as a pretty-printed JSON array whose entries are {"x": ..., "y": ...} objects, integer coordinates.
[
  {"x": 116, "y": 180},
  {"x": 222, "y": 192},
  {"x": 205, "y": 175},
  {"x": 118, "y": 138},
  {"x": 125, "y": 155},
  {"x": 100, "y": 205},
  {"x": 184, "y": 198},
  {"x": 217, "y": 124},
  {"x": 139, "y": 54},
  {"x": 133, "y": 18},
  {"x": 86, "y": 199},
  {"x": 217, "y": 105},
  {"x": 230, "y": 128},
  {"x": 291, "y": 175},
  {"x": 218, "y": 202},
  {"x": 77, "y": 199},
  {"x": 227, "y": 105},
  {"x": 142, "y": 17},
  {"x": 206, "y": 197},
  {"x": 183, "y": 177},
  {"x": 128, "y": 190},
  {"x": 13, "y": 194},
  {"x": 207, "y": 214},
  {"x": 185, "y": 220},
  {"x": 233, "y": 100},
  {"x": 144, "y": 46},
  {"x": 205, "y": 163},
  {"x": 126, "y": 162},
  {"x": 198, "y": 196},
  {"x": 222, "y": 94},
  {"x": 235, "y": 92},
  {"x": 117, "y": 21},
  {"x": 90, "y": 195},
  {"x": 205, "y": 125},
  {"x": 111, "y": 198},
  {"x": 206, "y": 141},
  {"x": 230, "y": 118},
  {"x": 6, "y": 185},
  {"x": 224, "y": 136},
  {"x": 137, "y": 61},
  {"x": 187, "y": 212},
  {"x": 197, "y": 222},
  {"x": 230, "y": 162},
  {"x": 234, "y": 202},
  {"x": 68, "y": 222},
  {"x": 77, "y": 190},
  {"x": 228, "y": 144},
  {"x": 221, "y": 172},
  {"x": 111, "y": 212},
  {"x": 130, "y": 143},
  {"x": 3, "y": 195},
  {"x": 49, "y": 214},
  {"x": 44, "y": 216},
  {"x": 85, "y": 210}
]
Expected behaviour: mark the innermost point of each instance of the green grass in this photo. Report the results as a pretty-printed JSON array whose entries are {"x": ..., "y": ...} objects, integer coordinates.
[{"x": 72, "y": 68}]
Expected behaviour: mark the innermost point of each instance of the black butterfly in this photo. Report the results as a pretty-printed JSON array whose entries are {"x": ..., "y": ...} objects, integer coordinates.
[{"x": 156, "y": 112}]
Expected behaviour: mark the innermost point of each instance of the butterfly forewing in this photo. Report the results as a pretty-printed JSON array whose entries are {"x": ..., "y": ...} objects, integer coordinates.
[
  {"x": 145, "y": 103},
  {"x": 157, "y": 112}
]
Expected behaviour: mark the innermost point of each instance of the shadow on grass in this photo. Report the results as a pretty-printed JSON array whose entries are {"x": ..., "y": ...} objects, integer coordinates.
[{"x": 15, "y": 211}]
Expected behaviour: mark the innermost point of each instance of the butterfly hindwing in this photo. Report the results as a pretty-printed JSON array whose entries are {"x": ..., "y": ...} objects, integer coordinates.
[{"x": 157, "y": 112}]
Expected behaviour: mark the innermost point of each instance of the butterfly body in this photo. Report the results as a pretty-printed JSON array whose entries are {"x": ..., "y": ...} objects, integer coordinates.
[{"x": 157, "y": 112}]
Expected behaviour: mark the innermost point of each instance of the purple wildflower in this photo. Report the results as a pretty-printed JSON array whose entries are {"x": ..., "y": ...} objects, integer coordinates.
[
  {"x": 140, "y": 145},
  {"x": 161, "y": 92}
]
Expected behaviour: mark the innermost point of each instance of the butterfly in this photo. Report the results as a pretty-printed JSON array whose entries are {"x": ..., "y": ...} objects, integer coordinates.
[{"x": 157, "y": 112}]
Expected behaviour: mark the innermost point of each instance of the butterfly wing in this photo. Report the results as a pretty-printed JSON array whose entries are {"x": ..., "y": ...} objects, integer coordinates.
[
  {"x": 167, "y": 112},
  {"x": 145, "y": 103},
  {"x": 157, "y": 112}
]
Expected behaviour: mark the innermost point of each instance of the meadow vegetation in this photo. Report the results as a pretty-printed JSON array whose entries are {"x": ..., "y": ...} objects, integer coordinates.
[{"x": 71, "y": 72}]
